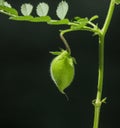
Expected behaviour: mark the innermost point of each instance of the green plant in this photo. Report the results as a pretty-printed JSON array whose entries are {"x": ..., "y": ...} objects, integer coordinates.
[{"x": 64, "y": 59}]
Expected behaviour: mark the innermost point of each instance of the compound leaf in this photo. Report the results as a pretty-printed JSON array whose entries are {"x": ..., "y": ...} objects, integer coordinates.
[
  {"x": 62, "y": 9},
  {"x": 42, "y": 9}
]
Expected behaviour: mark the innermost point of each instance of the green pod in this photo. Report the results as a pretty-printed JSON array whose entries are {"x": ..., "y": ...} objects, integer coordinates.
[{"x": 62, "y": 70}]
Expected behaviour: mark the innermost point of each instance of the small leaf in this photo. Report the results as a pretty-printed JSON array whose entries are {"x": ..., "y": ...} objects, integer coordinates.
[
  {"x": 26, "y": 9},
  {"x": 59, "y": 22},
  {"x": 56, "y": 53},
  {"x": 62, "y": 9},
  {"x": 62, "y": 70},
  {"x": 94, "y": 17},
  {"x": 31, "y": 18},
  {"x": 41, "y": 19},
  {"x": 79, "y": 19},
  {"x": 21, "y": 18},
  {"x": 117, "y": 2},
  {"x": 8, "y": 11},
  {"x": 42, "y": 9},
  {"x": 81, "y": 22}
]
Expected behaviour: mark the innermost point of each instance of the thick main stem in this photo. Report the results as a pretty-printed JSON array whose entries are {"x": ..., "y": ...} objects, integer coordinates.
[{"x": 98, "y": 101}]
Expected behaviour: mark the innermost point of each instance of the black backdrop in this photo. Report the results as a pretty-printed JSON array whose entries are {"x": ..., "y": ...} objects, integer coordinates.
[{"x": 29, "y": 98}]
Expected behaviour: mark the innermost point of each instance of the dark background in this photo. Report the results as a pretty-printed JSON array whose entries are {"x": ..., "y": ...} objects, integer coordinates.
[{"x": 29, "y": 98}]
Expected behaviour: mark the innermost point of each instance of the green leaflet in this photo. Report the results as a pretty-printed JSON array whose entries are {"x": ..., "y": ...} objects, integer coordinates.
[
  {"x": 59, "y": 22},
  {"x": 8, "y": 10},
  {"x": 22, "y": 18},
  {"x": 94, "y": 18},
  {"x": 31, "y": 18},
  {"x": 62, "y": 70},
  {"x": 81, "y": 22},
  {"x": 117, "y": 2},
  {"x": 41, "y": 19}
]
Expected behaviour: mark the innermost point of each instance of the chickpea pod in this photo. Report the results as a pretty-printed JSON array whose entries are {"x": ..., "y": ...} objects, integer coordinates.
[{"x": 62, "y": 70}]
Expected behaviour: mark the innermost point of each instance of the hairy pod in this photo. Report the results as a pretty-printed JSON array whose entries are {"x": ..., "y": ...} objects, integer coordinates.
[{"x": 62, "y": 70}]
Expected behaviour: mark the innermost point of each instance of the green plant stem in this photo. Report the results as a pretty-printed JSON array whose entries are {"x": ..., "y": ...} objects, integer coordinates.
[
  {"x": 109, "y": 17},
  {"x": 98, "y": 101}
]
